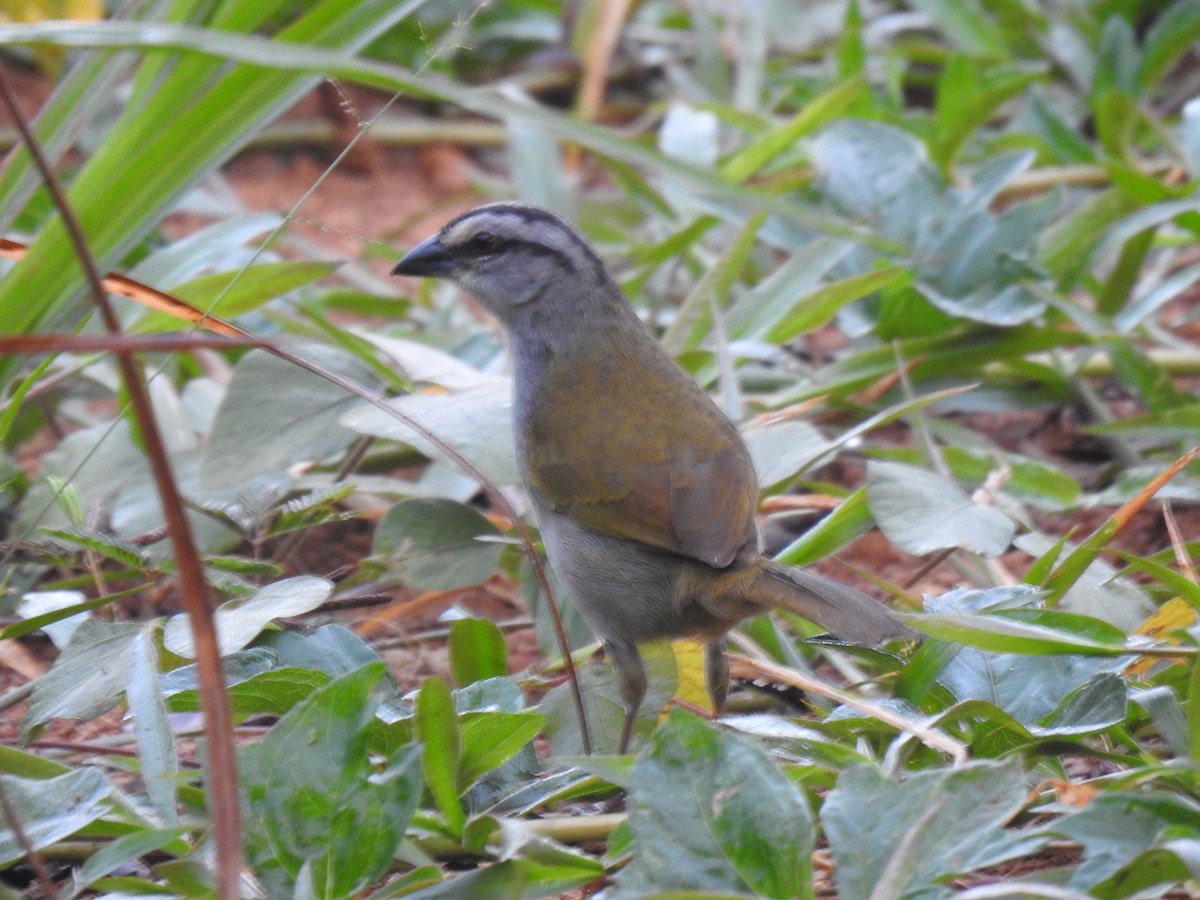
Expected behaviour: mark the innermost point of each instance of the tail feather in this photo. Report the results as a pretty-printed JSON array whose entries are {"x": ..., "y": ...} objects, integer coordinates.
[{"x": 848, "y": 613}]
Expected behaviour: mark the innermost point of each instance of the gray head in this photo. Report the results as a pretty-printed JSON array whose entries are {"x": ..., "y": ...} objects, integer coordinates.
[{"x": 510, "y": 255}]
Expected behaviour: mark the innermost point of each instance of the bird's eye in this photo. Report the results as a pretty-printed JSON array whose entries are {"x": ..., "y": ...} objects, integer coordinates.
[{"x": 484, "y": 242}]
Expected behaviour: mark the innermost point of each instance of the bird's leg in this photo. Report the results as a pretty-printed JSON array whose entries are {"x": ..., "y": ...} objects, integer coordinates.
[
  {"x": 631, "y": 682},
  {"x": 716, "y": 672}
]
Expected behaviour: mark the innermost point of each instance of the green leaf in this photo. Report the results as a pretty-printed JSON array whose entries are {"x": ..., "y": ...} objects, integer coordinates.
[
  {"x": 921, "y": 512},
  {"x": 851, "y": 50},
  {"x": 850, "y": 520},
  {"x": 49, "y": 809},
  {"x": 477, "y": 651},
  {"x": 230, "y": 294},
  {"x": 1084, "y": 583},
  {"x": 1113, "y": 829},
  {"x": 816, "y": 112},
  {"x": 694, "y": 320},
  {"x": 967, "y": 95},
  {"x": 603, "y": 706},
  {"x": 437, "y": 730},
  {"x": 28, "y": 765},
  {"x": 87, "y": 679},
  {"x": 270, "y": 693},
  {"x": 781, "y": 450},
  {"x": 764, "y": 305},
  {"x": 123, "y": 851},
  {"x": 1171, "y": 33},
  {"x": 239, "y": 621},
  {"x": 916, "y": 834},
  {"x": 1179, "y": 583},
  {"x": 535, "y": 867},
  {"x": 817, "y": 308},
  {"x": 434, "y": 544},
  {"x": 1003, "y": 634},
  {"x": 489, "y": 740},
  {"x": 475, "y": 421},
  {"x": 1051, "y": 695},
  {"x": 315, "y": 799},
  {"x": 104, "y": 545},
  {"x": 197, "y": 114},
  {"x": 286, "y": 414},
  {"x": 54, "y": 615},
  {"x": 156, "y": 744},
  {"x": 968, "y": 25},
  {"x": 710, "y": 812}
]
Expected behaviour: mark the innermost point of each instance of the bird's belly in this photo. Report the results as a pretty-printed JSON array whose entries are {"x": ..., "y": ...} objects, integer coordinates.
[{"x": 624, "y": 590}]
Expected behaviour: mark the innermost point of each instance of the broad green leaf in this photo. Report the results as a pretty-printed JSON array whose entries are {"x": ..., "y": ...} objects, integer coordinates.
[
  {"x": 50, "y": 809},
  {"x": 87, "y": 679},
  {"x": 315, "y": 797},
  {"x": 916, "y": 834},
  {"x": 239, "y": 621},
  {"x": 1113, "y": 829},
  {"x": 489, "y": 740},
  {"x": 475, "y": 421},
  {"x": 966, "y": 260},
  {"x": 1032, "y": 482},
  {"x": 1172, "y": 862},
  {"x": 435, "y": 544},
  {"x": 287, "y": 415},
  {"x": 781, "y": 450},
  {"x": 1032, "y": 689},
  {"x": 477, "y": 651},
  {"x": 921, "y": 512},
  {"x": 756, "y": 839},
  {"x": 332, "y": 649}
]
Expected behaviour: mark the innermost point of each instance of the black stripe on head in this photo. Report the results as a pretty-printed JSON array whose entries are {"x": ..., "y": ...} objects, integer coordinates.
[{"x": 535, "y": 216}]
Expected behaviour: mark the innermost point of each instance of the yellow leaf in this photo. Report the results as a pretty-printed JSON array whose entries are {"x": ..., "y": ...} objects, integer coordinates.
[
  {"x": 692, "y": 688},
  {"x": 1173, "y": 615}
]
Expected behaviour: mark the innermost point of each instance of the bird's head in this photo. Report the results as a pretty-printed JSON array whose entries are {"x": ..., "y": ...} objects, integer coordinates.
[{"x": 509, "y": 255}]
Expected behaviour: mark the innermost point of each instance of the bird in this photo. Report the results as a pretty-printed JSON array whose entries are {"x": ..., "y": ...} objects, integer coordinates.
[{"x": 644, "y": 491}]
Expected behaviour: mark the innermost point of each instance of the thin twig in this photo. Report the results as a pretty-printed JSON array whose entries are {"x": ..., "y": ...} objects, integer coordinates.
[
  {"x": 758, "y": 668},
  {"x": 218, "y": 724}
]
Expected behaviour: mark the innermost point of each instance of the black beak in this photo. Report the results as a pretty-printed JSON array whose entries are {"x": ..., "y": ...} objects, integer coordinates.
[{"x": 428, "y": 259}]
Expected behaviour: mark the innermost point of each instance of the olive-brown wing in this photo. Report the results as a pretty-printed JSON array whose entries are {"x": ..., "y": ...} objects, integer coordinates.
[{"x": 663, "y": 467}]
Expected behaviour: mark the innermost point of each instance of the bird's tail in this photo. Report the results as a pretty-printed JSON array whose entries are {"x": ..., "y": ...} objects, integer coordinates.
[{"x": 848, "y": 613}]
